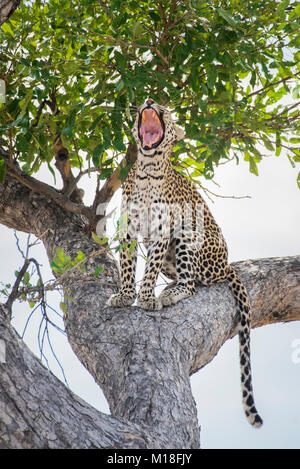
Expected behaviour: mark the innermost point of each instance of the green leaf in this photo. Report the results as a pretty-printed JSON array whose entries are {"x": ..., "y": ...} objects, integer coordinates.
[
  {"x": 227, "y": 17},
  {"x": 60, "y": 262},
  {"x": 68, "y": 297},
  {"x": 99, "y": 240},
  {"x": 67, "y": 131},
  {"x": 119, "y": 145},
  {"x": 24, "y": 62},
  {"x": 278, "y": 144},
  {"x": 208, "y": 168},
  {"x": 298, "y": 180},
  {"x": 211, "y": 74},
  {"x": 98, "y": 150},
  {"x": 137, "y": 30},
  {"x": 22, "y": 144},
  {"x": 105, "y": 173},
  {"x": 98, "y": 270},
  {"x": 80, "y": 257},
  {"x": 57, "y": 268},
  {"x": 123, "y": 172},
  {"x": 69, "y": 52},
  {"x": 60, "y": 254},
  {"x": 120, "y": 85},
  {"x": 25, "y": 102},
  {"x": 52, "y": 172},
  {"x": 7, "y": 29},
  {"x": 26, "y": 278},
  {"x": 253, "y": 79},
  {"x": 63, "y": 307},
  {"x": 269, "y": 146},
  {"x": 132, "y": 245},
  {"x": 266, "y": 71},
  {"x": 2, "y": 170},
  {"x": 253, "y": 167},
  {"x": 96, "y": 238}
]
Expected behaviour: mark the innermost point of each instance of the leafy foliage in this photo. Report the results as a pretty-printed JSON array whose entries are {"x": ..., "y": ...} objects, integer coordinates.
[
  {"x": 78, "y": 69},
  {"x": 62, "y": 263}
]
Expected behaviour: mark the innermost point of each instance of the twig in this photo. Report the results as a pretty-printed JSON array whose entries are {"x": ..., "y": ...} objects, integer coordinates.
[
  {"x": 38, "y": 115},
  {"x": 287, "y": 109},
  {"x": 78, "y": 177},
  {"x": 28, "y": 319},
  {"x": 225, "y": 196},
  {"x": 272, "y": 84},
  {"x": 54, "y": 354},
  {"x": 18, "y": 245},
  {"x": 38, "y": 238},
  {"x": 14, "y": 293}
]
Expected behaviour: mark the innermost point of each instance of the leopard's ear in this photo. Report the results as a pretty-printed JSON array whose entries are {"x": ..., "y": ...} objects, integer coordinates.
[{"x": 180, "y": 133}]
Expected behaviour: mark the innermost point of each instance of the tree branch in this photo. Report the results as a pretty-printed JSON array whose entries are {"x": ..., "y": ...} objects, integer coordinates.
[
  {"x": 44, "y": 189},
  {"x": 138, "y": 387},
  {"x": 62, "y": 162},
  {"x": 7, "y": 7},
  {"x": 173, "y": 343},
  {"x": 46, "y": 414}
]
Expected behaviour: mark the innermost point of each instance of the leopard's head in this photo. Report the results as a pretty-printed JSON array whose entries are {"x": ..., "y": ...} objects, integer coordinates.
[{"x": 155, "y": 129}]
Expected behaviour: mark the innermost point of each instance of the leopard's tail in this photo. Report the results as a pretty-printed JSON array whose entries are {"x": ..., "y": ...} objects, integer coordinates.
[{"x": 243, "y": 304}]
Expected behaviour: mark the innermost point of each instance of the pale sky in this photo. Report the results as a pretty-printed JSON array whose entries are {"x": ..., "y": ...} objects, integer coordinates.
[{"x": 267, "y": 225}]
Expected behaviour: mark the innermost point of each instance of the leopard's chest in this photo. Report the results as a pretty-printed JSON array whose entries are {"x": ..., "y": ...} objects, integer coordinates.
[
  {"x": 148, "y": 192},
  {"x": 148, "y": 209}
]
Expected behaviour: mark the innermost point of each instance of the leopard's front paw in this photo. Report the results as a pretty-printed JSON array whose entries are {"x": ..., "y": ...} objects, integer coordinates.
[
  {"x": 149, "y": 303},
  {"x": 120, "y": 300},
  {"x": 171, "y": 296}
]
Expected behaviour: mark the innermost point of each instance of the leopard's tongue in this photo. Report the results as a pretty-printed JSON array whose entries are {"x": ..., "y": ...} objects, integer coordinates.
[
  {"x": 150, "y": 130},
  {"x": 149, "y": 138}
]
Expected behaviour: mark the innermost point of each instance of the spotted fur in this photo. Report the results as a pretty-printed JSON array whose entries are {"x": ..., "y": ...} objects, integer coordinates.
[{"x": 156, "y": 200}]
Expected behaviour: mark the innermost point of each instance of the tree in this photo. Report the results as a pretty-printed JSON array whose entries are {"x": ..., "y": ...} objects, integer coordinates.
[{"x": 74, "y": 74}]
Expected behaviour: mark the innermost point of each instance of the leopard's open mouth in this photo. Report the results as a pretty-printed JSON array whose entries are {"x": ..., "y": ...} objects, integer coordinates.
[{"x": 151, "y": 128}]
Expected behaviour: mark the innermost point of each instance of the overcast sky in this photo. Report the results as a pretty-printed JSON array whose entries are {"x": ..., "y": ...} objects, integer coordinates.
[{"x": 267, "y": 225}]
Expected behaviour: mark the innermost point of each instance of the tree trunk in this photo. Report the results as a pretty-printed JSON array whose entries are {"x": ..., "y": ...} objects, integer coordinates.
[
  {"x": 7, "y": 7},
  {"x": 142, "y": 360}
]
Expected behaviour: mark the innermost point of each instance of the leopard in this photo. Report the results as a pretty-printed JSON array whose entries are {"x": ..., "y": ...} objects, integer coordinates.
[{"x": 183, "y": 241}]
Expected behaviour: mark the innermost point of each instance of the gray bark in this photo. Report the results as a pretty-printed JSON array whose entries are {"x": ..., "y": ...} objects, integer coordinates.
[
  {"x": 7, "y": 7},
  {"x": 142, "y": 360},
  {"x": 38, "y": 411}
]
